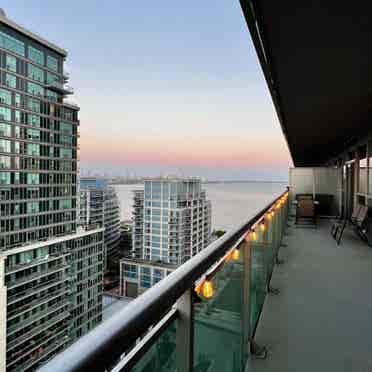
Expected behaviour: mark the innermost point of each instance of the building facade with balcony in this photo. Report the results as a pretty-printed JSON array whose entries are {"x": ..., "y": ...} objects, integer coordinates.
[
  {"x": 248, "y": 302},
  {"x": 172, "y": 222},
  {"x": 99, "y": 204},
  {"x": 52, "y": 269}
]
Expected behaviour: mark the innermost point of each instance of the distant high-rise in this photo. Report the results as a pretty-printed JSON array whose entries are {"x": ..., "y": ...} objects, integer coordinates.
[
  {"x": 171, "y": 223},
  {"x": 51, "y": 269},
  {"x": 99, "y": 204}
]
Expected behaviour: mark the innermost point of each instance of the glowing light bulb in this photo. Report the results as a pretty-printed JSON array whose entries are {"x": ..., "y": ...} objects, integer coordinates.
[
  {"x": 208, "y": 289},
  {"x": 236, "y": 254},
  {"x": 262, "y": 225},
  {"x": 254, "y": 235},
  {"x": 269, "y": 216}
]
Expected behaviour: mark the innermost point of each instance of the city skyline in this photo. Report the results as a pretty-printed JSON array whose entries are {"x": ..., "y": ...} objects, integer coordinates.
[{"x": 168, "y": 92}]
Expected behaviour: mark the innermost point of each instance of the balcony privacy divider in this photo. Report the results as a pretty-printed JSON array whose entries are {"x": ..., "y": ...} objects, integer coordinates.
[{"x": 202, "y": 317}]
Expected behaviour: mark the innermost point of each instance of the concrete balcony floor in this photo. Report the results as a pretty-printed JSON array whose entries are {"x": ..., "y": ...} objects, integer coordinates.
[{"x": 322, "y": 318}]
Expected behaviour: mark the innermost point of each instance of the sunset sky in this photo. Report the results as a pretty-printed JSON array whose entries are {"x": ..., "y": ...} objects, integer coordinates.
[{"x": 165, "y": 87}]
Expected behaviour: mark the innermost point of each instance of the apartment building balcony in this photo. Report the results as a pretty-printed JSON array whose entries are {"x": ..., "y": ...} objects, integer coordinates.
[
  {"x": 46, "y": 259},
  {"x": 64, "y": 303},
  {"x": 214, "y": 285},
  {"x": 37, "y": 302},
  {"x": 36, "y": 330},
  {"x": 37, "y": 275},
  {"x": 36, "y": 354},
  {"x": 272, "y": 294},
  {"x": 46, "y": 353},
  {"x": 60, "y": 88},
  {"x": 36, "y": 289}
]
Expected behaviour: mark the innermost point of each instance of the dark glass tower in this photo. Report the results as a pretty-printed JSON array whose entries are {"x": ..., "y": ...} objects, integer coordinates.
[{"x": 51, "y": 269}]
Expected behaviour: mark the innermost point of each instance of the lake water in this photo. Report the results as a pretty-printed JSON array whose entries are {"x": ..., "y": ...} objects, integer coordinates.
[{"x": 232, "y": 203}]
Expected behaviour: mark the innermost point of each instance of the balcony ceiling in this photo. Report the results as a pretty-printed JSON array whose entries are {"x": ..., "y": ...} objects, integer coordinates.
[{"x": 317, "y": 61}]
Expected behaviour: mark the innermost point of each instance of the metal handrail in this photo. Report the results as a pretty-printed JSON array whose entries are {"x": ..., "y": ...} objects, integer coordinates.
[{"x": 102, "y": 348}]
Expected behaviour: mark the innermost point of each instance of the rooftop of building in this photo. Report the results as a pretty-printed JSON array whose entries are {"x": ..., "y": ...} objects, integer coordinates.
[
  {"x": 92, "y": 183},
  {"x": 141, "y": 261},
  {"x": 112, "y": 304},
  {"x": 172, "y": 178},
  {"x": 8, "y": 22}
]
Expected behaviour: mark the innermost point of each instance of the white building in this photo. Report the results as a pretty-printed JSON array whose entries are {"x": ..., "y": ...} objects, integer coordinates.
[{"x": 171, "y": 223}]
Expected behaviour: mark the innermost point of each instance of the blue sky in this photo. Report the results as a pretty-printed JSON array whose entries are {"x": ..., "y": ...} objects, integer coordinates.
[{"x": 164, "y": 87}]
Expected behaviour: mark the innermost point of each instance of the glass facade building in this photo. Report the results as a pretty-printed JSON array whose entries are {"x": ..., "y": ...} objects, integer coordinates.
[
  {"x": 99, "y": 204},
  {"x": 171, "y": 223},
  {"x": 51, "y": 268}
]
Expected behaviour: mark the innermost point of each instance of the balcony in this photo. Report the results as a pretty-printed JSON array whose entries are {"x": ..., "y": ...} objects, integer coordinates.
[
  {"x": 60, "y": 88},
  {"x": 37, "y": 275},
  {"x": 321, "y": 319},
  {"x": 56, "y": 341},
  {"x": 36, "y": 330},
  {"x": 37, "y": 289},
  {"x": 37, "y": 302},
  {"x": 211, "y": 303},
  {"x": 37, "y": 316}
]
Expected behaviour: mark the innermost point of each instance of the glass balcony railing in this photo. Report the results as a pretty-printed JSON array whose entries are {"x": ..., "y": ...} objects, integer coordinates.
[{"x": 202, "y": 317}]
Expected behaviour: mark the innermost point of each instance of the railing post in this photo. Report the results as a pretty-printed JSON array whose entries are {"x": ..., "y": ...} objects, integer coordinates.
[{"x": 185, "y": 332}]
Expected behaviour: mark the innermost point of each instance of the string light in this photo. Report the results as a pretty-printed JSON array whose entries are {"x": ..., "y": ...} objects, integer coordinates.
[
  {"x": 236, "y": 254},
  {"x": 262, "y": 225},
  {"x": 253, "y": 235},
  {"x": 269, "y": 215},
  {"x": 208, "y": 290}
]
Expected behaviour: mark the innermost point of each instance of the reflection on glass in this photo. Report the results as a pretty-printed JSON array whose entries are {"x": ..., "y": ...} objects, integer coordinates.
[
  {"x": 161, "y": 357},
  {"x": 218, "y": 334}
]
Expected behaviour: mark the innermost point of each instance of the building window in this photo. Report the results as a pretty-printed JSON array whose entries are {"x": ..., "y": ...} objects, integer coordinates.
[
  {"x": 65, "y": 204},
  {"x": 11, "y": 81},
  {"x": 53, "y": 96},
  {"x": 4, "y": 178},
  {"x": 5, "y": 130},
  {"x": 17, "y": 116},
  {"x": 35, "y": 89},
  {"x": 145, "y": 277},
  {"x": 11, "y": 63},
  {"x": 4, "y": 162},
  {"x": 158, "y": 275},
  {"x": 52, "y": 63},
  {"x": 130, "y": 271},
  {"x": 12, "y": 44},
  {"x": 33, "y": 134},
  {"x": 33, "y": 120},
  {"x": 33, "y": 104},
  {"x": 17, "y": 100},
  {"x": 53, "y": 80},
  {"x": 66, "y": 153},
  {"x": 5, "y": 145},
  {"x": 5, "y": 97},
  {"x": 36, "y": 55},
  {"x": 33, "y": 149},
  {"x": 33, "y": 178},
  {"x": 35, "y": 73},
  {"x": 33, "y": 207},
  {"x": 65, "y": 140},
  {"x": 66, "y": 128}
]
